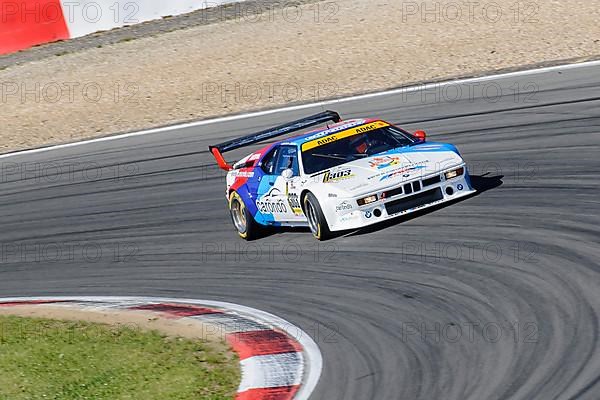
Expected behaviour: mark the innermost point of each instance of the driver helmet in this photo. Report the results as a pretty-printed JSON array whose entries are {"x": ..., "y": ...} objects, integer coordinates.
[{"x": 361, "y": 144}]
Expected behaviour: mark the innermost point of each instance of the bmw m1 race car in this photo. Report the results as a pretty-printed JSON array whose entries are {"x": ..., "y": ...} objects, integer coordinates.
[{"x": 344, "y": 176}]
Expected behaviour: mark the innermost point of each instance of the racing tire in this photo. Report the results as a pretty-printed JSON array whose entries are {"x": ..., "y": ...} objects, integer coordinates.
[
  {"x": 316, "y": 220},
  {"x": 247, "y": 228}
]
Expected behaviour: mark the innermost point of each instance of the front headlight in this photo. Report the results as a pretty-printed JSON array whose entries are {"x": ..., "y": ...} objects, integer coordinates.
[
  {"x": 367, "y": 200},
  {"x": 455, "y": 173}
]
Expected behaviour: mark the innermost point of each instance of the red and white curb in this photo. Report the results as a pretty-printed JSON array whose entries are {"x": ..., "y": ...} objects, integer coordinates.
[{"x": 279, "y": 361}]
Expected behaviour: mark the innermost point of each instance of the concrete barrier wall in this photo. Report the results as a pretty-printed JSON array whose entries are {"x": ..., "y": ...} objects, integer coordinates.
[{"x": 26, "y": 23}]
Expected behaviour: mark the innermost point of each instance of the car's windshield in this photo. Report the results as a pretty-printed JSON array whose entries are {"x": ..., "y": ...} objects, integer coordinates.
[{"x": 325, "y": 155}]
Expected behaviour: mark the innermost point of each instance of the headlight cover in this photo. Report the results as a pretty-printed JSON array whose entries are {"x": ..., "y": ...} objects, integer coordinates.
[
  {"x": 454, "y": 173},
  {"x": 367, "y": 200}
]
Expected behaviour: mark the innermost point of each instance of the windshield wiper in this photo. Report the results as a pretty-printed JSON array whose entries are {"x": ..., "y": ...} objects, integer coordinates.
[
  {"x": 334, "y": 156},
  {"x": 343, "y": 157}
]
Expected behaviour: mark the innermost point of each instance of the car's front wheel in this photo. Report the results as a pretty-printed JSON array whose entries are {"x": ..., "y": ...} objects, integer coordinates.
[
  {"x": 243, "y": 221},
  {"x": 316, "y": 220}
]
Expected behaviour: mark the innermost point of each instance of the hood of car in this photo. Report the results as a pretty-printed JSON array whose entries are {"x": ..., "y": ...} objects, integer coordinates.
[{"x": 391, "y": 168}]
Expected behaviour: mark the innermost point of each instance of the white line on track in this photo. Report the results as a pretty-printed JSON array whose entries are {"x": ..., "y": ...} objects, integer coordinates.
[{"x": 305, "y": 106}]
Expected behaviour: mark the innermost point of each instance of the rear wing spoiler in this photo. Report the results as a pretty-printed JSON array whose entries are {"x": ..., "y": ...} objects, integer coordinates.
[{"x": 317, "y": 119}]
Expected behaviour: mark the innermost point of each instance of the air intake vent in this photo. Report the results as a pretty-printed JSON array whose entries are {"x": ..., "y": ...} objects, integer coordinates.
[
  {"x": 423, "y": 198},
  {"x": 432, "y": 181}
]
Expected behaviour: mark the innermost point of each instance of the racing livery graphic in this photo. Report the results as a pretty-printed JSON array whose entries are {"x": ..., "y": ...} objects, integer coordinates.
[
  {"x": 271, "y": 203},
  {"x": 345, "y": 176},
  {"x": 384, "y": 162}
]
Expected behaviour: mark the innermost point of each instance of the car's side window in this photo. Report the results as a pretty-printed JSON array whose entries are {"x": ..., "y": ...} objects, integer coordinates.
[
  {"x": 268, "y": 162},
  {"x": 287, "y": 159}
]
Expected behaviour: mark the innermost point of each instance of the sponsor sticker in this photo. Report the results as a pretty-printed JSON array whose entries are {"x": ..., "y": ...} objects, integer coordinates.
[
  {"x": 385, "y": 162},
  {"x": 345, "y": 206},
  {"x": 337, "y": 176},
  {"x": 401, "y": 172},
  {"x": 271, "y": 207},
  {"x": 294, "y": 203},
  {"x": 406, "y": 170},
  {"x": 343, "y": 134},
  {"x": 334, "y": 130},
  {"x": 270, "y": 204},
  {"x": 243, "y": 174}
]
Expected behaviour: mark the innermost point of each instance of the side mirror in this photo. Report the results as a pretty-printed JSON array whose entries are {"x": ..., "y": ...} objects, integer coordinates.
[
  {"x": 287, "y": 174},
  {"x": 420, "y": 135}
]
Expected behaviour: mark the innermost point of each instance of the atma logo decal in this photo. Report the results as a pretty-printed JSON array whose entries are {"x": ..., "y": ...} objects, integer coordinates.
[{"x": 337, "y": 176}]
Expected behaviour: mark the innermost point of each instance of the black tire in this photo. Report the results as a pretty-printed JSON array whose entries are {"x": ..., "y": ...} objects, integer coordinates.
[
  {"x": 316, "y": 220},
  {"x": 247, "y": 228}
]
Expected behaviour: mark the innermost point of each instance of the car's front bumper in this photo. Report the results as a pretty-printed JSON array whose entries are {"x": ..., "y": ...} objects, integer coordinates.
[{"x": 428, "y": 195}]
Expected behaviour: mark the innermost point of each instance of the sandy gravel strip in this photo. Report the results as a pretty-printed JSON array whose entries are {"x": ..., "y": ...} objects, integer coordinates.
[{"x": 279, "y": 361}]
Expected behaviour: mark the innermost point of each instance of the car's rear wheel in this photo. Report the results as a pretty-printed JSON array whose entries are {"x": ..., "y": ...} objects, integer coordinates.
[
  {"x": 316, "y": 220},
  {"x": 243, "y": 221}
]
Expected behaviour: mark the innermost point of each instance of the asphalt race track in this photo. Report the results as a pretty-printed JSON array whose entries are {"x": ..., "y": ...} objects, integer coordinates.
[{"x": 494, "y": 297}]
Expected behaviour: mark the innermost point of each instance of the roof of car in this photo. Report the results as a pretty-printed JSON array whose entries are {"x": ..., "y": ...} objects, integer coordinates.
[{"x": 330, "y": 129}]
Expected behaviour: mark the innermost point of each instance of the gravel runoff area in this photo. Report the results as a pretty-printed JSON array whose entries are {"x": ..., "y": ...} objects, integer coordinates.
[
  {"x": 192, "y": 67},
  {"x": 189, "y": 329}
]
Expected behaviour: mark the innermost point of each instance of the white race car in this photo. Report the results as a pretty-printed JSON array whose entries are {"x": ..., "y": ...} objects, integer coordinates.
[{"x": 344, "y": 176}]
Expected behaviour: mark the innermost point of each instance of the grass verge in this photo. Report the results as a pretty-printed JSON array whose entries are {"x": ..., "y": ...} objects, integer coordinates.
[{"x": 51, "y": 359}]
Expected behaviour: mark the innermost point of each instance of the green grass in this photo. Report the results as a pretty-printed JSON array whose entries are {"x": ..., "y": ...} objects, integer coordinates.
[{"x": 49, "y": 359}]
